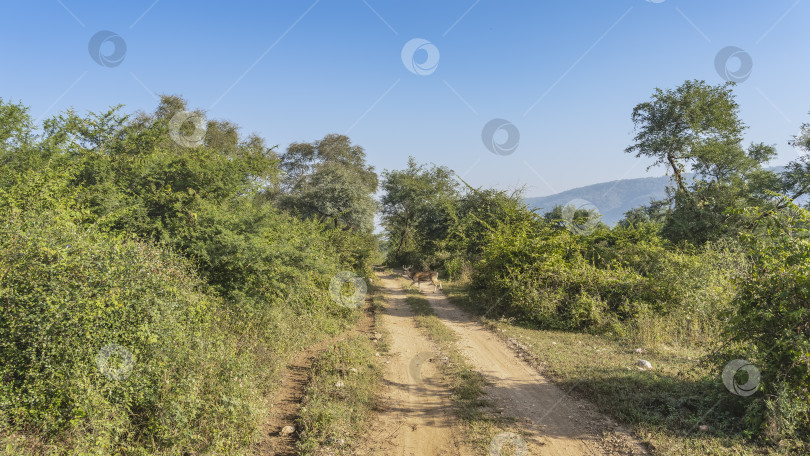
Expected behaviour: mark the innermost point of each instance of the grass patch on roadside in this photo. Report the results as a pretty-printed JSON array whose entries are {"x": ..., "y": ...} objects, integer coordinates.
[
  {"x": 664, "y": 406},
  {"x": 467, "y": 384},
  {"x": 341, "y": 394},
  {"x": 340, "y": 397}
]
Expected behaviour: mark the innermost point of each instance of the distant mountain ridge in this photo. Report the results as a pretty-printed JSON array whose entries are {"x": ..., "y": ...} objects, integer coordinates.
[{"x": 613, "y": 198}]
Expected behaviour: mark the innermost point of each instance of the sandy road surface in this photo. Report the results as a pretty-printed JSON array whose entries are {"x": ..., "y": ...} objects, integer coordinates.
[{"x": 417, "y": 416}]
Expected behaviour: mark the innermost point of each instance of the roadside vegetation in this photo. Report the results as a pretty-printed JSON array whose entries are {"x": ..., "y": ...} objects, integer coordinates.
[
  {"x": 717, "y": 271},
  {"x": 156, "y": 272},
  {"x": 341, "y": 397}
]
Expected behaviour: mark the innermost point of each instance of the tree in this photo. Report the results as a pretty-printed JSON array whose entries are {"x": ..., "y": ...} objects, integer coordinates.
[
  {"x": 82, "y": 202},
  {"x": 480, "y": 211},
  {"x": 15, "y": 125},
  {"x": 771, "y": 326},
  {"x": 653, "y": 212},
  {"x": 696, "y": 127},
  {"x": 797, "y": 173},
  {"x": 16, "y": 128},
  {"x": 418, "y": 208},
  {"x": 580, "y": 219},
  {"x": 329, "y": 179}
]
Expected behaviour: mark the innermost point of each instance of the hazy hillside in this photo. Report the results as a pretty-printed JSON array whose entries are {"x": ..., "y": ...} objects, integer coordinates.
[{"x": 612, "y": 199}]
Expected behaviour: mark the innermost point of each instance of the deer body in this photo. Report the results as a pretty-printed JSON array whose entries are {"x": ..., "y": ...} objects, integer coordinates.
[{"x": 419, "y": 277}]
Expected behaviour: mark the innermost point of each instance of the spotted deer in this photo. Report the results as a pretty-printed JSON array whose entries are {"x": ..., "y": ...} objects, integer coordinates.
[{"x": 419, "y": 277}]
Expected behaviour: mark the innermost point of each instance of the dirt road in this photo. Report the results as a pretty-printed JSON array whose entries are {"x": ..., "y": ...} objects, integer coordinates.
[
  {"x": 417, "y": 417},
  {"x": 420, "y": 416}
]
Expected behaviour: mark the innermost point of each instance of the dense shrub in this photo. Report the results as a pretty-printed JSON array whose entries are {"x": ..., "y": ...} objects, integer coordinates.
[
  {"x": 601, "y": 282},
  {"x": 116, "y": 241},
  {"x": 68, "y": 293},
  {"x": 771, "y": 327}
]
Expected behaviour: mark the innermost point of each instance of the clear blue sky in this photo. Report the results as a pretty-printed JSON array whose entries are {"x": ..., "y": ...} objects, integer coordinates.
[{"x": 297, "y": 70}]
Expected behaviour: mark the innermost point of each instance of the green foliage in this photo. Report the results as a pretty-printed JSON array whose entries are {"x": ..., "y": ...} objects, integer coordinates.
[
  {"x": 340, "y": 397},
  {"x": 115, "y": 233},
  {"x": 697, "y": 127},
  {"x": 16, "y": 125},
  {"x": 478, "y": 212},
  {"x": 618, "y": 280},
  {"x": 67, "y": 293},
  {"x": 535, "y": 268},
  {"x": 773, "y": 322},
  {"x": 329, "y": 180},
  {"x": 802, "y": 140},
  {"x": 721, "y": 263},
  {"x": 417, "y": 210},
  {"x": 653, "y": 213}
]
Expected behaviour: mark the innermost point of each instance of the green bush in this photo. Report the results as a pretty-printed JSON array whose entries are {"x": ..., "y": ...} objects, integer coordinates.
[
  {"x": 543, "y": 274},
  {"x": 117, "y": 241},
  {"x": 74, "y": 299},
  {"x": 771, "y": 327}
]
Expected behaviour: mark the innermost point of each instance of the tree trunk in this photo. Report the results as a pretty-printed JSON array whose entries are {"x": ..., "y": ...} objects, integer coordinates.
[{"x": 676, "y": 173}]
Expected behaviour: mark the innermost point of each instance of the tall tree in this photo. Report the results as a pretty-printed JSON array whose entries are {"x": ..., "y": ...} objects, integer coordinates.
[
  {"x": 330, "y": 179},
  {"x": 797, "y": 173},
  {"x": 696, "y": 127},
  {"x": 418, "y": 207}
]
